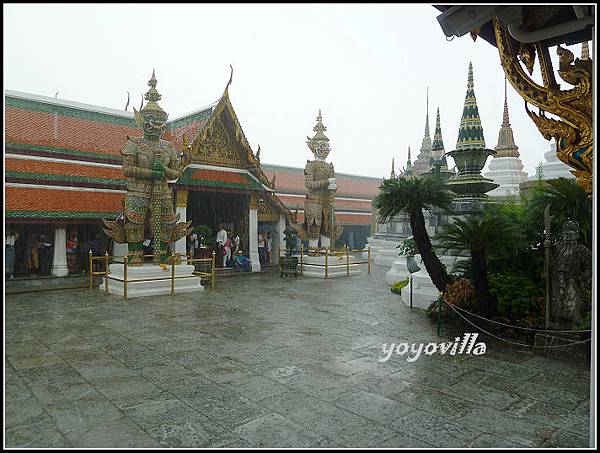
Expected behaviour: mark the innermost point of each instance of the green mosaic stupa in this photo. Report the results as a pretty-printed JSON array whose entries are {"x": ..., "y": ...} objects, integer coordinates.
[
  {"x": 470, "y": 154},
  {"x": 437, "y": 161}
]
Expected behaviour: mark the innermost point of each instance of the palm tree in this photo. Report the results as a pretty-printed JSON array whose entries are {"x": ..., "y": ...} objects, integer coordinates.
[
  {"x": 481, "y": 235},
  {"x": 412, "y": 194}
]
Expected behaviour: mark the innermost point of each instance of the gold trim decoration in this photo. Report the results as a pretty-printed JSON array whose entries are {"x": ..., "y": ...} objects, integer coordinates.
[
  {"x": 573, "y": 131},
  {"x": 181, "y": 198},
  {"x": 267, "y": 212},
  {"x": 253, "y": 202}
]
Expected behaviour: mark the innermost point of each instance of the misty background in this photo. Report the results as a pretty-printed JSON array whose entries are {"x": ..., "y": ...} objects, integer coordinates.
[{"x": 367, "y": 66}]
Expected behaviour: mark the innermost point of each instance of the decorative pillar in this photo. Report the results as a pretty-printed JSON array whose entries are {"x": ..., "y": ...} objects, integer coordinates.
[
  {"x": 253, "y": 233},
  {"x": 181, "y": 209},
  {"x": 59, "y": 263}
]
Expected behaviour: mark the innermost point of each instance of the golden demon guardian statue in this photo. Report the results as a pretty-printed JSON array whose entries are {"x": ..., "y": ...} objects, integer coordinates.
[
  {"x": 319, "y": 179},
  {"x": 149, "y": 162}
]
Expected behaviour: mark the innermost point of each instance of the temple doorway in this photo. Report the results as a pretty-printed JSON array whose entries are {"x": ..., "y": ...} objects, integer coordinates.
[{"x": 213, "y": 209}]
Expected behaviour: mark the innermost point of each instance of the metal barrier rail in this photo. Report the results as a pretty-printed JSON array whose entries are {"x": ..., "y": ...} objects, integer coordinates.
[
  {"x": 175, "y": 257},
  {"x": 327, "y": 252}
]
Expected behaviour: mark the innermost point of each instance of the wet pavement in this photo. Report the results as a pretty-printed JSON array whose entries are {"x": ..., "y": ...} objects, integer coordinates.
[{"x": 269, "y": 362}]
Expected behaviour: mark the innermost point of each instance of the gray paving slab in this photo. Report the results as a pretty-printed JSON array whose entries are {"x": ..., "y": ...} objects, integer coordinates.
[{"x": 263, "y": 361}]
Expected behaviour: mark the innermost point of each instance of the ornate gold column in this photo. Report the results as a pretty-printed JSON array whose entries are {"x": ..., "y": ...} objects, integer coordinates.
[{"x": 573, "y": 131}]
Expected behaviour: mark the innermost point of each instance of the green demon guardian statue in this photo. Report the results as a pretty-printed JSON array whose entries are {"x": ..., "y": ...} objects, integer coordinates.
[
  {"x": 149, "y": 162},
  {"x": 319, "y": 178}
]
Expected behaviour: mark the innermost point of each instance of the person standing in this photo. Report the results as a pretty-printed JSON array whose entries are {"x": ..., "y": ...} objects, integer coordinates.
[
  {"x": 261, "y": 247},
  {"x": 268, "y": 245},
  {"x": 32, "y": 254},
  {"x": 72, "y": 250},
  {"x": 221, "y": 240},
  {"x": 45, "y": 253},
  {"x": 9, "y": 250}
]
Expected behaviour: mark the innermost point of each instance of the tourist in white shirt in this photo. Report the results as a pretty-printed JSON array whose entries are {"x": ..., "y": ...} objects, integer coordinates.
[{"x": 221, "y": 241}]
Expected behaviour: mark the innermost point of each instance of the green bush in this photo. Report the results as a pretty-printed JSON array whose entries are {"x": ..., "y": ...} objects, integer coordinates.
[
  {"x": 516, "y": 295},
  {"x": 397, "y": 287}
]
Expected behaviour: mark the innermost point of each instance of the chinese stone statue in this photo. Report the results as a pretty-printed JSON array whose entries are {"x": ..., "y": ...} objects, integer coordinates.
[
  {"x": 149, "y": 162},
  {"x": 319, "y": 179},
  {"x": 571, "y": 272}
]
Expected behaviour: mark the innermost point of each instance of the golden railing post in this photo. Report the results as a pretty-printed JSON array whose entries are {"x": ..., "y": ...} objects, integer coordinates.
[
  {"x": 302, "y": 259},
  {"x": 90, "y": 270},
  {"x": 125, "y": 259},
  {"x": 212, "y": 271},
  {"x": 172, "y": 273},
  {"x": 347, "y": 261},
  {"x": 369, "y": 258},
  {"x": 106, "y": 273},
  {"x": 326, "y": 260}
]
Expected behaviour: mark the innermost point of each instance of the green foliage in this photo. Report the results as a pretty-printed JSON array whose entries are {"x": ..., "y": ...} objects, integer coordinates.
[
  {"x": 411, "y": 194},
  {"x": 204, "y": 231},
  {"x": 408, "y": 247},
  {"x": 586, "y": 322},
  {"x": 567, "y": 201},
  {"x": 481, "y": 233},
  {"x": 516, "y": 295}
]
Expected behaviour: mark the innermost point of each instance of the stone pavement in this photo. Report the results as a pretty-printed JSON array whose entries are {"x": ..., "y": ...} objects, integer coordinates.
[{"x": 269, "y": 362}]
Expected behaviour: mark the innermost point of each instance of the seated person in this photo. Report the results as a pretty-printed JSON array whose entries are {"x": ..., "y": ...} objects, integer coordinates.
[{"x": 241, "y": 262}]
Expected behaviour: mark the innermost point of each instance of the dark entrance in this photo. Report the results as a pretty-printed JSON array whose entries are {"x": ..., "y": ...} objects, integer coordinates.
[{"x": 215, "y": 208}]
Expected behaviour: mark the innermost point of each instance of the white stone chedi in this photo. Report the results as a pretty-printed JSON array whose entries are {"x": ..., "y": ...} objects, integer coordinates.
[
  {"x": 506, "y": 168},
  {"x": 553, "y": 167}
]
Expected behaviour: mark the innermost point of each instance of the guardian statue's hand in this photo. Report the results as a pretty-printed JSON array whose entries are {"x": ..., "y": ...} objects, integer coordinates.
[{"x": 156, "y": 174}]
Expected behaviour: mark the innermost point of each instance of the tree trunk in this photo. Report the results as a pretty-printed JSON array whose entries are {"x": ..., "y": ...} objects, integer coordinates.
[
  {"x": 434, "y": 267},
  {"x": 480, "y": 283}
]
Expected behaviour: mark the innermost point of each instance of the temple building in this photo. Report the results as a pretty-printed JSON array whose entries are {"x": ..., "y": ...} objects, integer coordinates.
[
  {"x": 63, "y": 175},
  {"x": 506, "y": 169},
  {"x": 353, "y": 201}
]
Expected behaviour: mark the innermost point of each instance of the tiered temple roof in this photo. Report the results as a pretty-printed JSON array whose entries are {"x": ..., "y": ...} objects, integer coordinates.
[{"x": 63, "y": 160}]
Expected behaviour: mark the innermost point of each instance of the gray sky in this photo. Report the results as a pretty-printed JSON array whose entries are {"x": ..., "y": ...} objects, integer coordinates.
[{"x": 366, "y": 66}]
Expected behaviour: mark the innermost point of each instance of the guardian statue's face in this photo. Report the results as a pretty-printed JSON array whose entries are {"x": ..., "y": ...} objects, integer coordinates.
[
  {"x": 154, "y": 126},
  {"x": 321, "y": 150}
]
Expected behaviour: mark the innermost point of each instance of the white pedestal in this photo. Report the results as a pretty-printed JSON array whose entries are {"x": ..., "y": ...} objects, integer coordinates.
[
  {"x": 160, "y": 286},
  {"x": 398, "y": 272},
  {"x": 383, "y": 252},
  {"x": 424, "y": 291},
  {"x": 314, "y": 266}
]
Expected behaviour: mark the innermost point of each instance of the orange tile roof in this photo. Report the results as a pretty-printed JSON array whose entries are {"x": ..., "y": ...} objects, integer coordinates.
[
  {"x": 61, "y": 169},
  {"x": 59, "y": 131},
  {"x": 344, "y": 219},
  {"x": 56, "y": 203},
  {"x": 293, "y": 202},
  {"x": 291, "y": 180}
]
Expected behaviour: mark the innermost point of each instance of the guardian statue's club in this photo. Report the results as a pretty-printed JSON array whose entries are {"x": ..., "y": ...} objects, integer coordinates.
[{"x": 149, "y": 162}]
